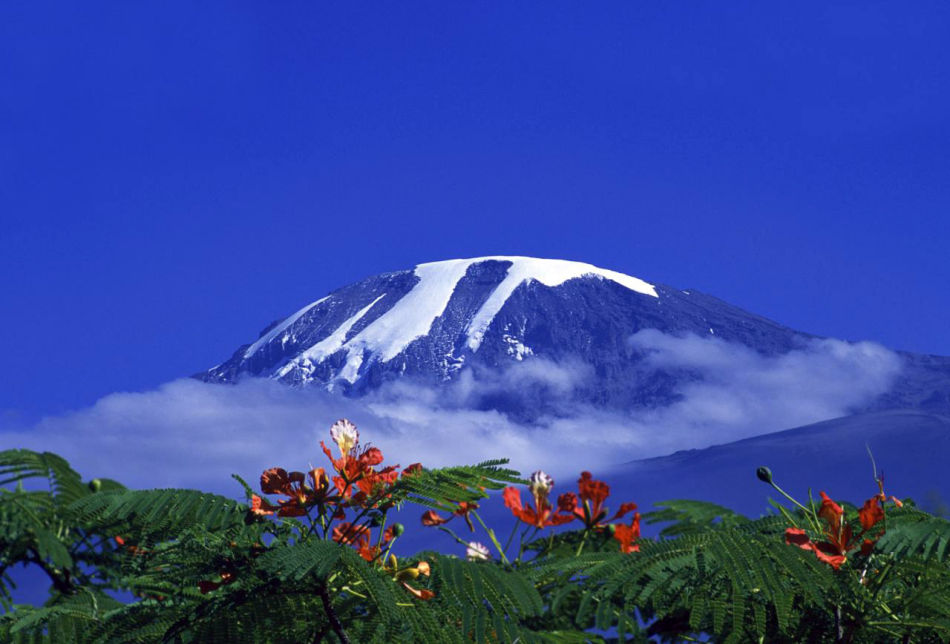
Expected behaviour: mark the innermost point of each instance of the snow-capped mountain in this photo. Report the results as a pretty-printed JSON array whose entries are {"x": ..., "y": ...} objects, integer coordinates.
[{"x": 439, "y": 321}]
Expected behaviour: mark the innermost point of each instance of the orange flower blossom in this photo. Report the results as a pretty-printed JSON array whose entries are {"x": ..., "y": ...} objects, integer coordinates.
[
  {"x": 356, "y": 466},
  {"x": 294, "y": 485},
  {"x": 542, "y": 514},
  {"x": 839, "y": 537},
  {"x": 592, "y": 494},
  {"x": 627, "y": 535}
]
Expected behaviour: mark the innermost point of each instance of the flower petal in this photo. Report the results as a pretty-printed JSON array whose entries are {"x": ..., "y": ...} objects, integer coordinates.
[
  {"x": 797, "y": 537},
  {"x": 870, "y": 513},
  {"x": 567, "y": 502},
  {"x": 512, "y": 499},
  {"x": 432, "y": 518},
  {"x": 624, "y": 509},
  {"x": 261, "y": 507},
  {"x": 829, "y": 553},
  {"x": 275, "y": 481},
  {"x": 419, "y": 593}
]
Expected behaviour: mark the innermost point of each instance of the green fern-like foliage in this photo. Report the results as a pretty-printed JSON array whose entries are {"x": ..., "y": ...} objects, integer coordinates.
[
  {"x": 174, "y": 549},
  {"x": 158, "y": 514},
  {"x": 204, "y": 568},
  {"x": 735, "y": 578},
  {"x": 726, "y": 577},
  {"x": 36, "y": 526},
  {"x": 442, "y": 489},
  {"x": 913, "y": 532}
]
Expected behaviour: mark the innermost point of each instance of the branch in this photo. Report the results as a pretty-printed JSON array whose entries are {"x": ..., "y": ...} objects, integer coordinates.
[
  {"x": 331, "y": 615},
  {"x": 60, "y": 584}
]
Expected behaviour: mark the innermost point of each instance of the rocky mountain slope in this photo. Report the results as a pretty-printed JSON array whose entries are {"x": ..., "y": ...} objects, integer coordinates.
[{"x": 440, "y": 322}]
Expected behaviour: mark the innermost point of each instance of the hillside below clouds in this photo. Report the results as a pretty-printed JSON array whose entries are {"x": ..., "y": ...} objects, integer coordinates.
[{"x": 536, "y": 338}]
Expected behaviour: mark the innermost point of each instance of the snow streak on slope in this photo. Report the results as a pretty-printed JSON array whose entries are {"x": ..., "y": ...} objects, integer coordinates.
[
  {"x": 412, "y": 316},
  {"x": 550, "y": 272},
  {"x": 280, "y": 328},
  {"x": 330, "y": 344}
]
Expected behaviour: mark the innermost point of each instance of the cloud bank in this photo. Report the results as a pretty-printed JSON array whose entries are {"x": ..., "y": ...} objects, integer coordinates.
[{"x": 190, "y": 433}]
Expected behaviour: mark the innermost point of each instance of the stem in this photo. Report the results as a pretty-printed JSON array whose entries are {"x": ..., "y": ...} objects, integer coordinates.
[
  {"x": 810, "y": 512},
  {"x": 491, "y": 535},
  {"x": 514, "y": 531},
  {"x": 580, "y": 548},
  {"x": 324, "y": 523},
  {"x": 839, "y": 627},
  {"x": 82, "y": 542},
  {"x": 790, "y": 497},
  {"x": 382, "y": 531},
  {"x": 370, "y": 503},
  {"x": 389, "y": 548},
  {"x": 449, "y": 532},
  {"x": 313, "y": 524},
  {"x": 522, "y": 544},
  {"x": 331, "y": 615}
]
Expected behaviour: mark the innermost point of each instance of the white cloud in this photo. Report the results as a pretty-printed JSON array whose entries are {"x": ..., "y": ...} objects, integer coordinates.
[
  {"x": 189, "y": 433},
  {"x": 734, "y": 392}
]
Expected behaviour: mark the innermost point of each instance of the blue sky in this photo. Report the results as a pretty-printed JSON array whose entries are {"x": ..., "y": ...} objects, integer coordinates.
[{"x": 175, "y": 176}]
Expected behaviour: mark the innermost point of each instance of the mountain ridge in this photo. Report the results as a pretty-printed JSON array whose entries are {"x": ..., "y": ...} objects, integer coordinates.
[{"x": 430, "y": 323}]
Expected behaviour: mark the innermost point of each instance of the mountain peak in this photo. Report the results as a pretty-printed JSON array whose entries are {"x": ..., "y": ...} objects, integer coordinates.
[
  {"x": 550, "y": 272},
  {"x": 441, "y": 278},
  {"x": 433, "y": 317},
  {"x": 534, "y": 333}
]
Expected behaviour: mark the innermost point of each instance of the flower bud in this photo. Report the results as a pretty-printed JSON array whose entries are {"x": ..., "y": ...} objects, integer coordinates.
[
  {"x": 95, "y": 485},
  {"x": 540, "y": 483},
  {"x": 345, "y": 435},
  {"x": 764, "y": 474},
  {"x": 398, "y": 529}
]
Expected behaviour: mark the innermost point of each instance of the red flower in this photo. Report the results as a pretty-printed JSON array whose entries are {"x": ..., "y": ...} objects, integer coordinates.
[
  {"x": 627, "y": 535},
  {"x": 349, "y": 533},
  {"x": 871, "y": 512},
  {"x": 542, "y": 514},
  {"x": 567, "y": 502},
  {"x": 833, "y": 551},
  {"x": 359, "y": 537},
  {"x": 355, "y": 467},
  {"x": 294, "y": 485},
  {"x": 415, "y": 468},
  {"x": 373, "y": 483},
  {"x": 592, "y": 495},
  {"x": 432, "y": 518},
  {"x": 839, "y": 538}
]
